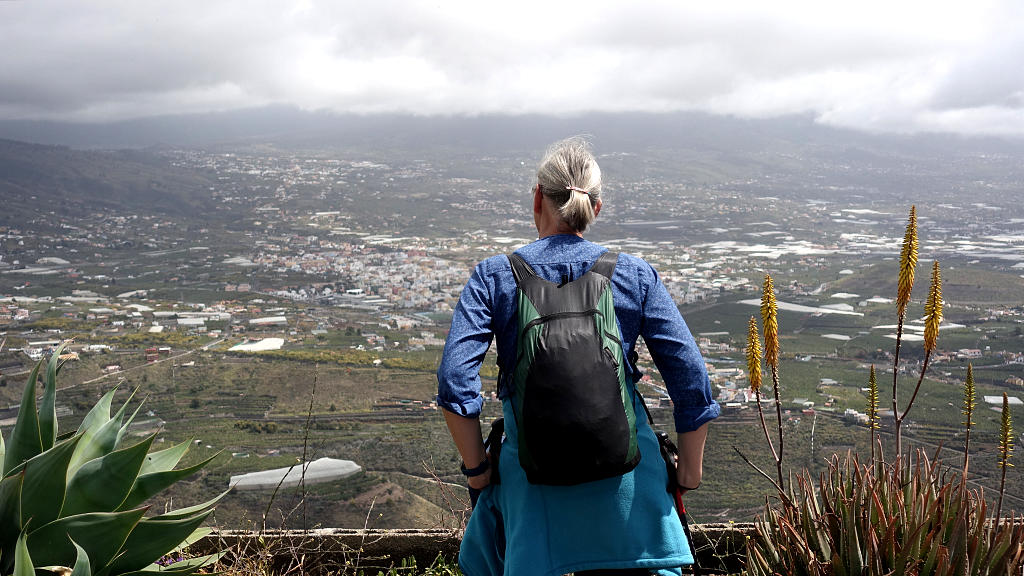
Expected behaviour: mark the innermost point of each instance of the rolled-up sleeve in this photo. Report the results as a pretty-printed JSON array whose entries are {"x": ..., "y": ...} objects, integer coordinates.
[
  {"x": 458, "y": 376},
  {"x": 676, "y": 355}
]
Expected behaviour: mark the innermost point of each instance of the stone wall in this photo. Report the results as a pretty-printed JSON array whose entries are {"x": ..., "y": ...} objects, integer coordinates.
[{"x": 720, "y": 548}]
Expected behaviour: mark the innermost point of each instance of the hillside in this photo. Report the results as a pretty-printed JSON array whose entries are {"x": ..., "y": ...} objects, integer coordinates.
[{"x": 37, "y": 179}]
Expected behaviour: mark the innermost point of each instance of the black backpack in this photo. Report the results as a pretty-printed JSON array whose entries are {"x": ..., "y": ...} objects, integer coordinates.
[{"x": 572, "y": 394}]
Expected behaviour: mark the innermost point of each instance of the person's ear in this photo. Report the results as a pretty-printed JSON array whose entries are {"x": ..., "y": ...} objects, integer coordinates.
[
  {"x": 538, "y": 197},
  {"x": 597, "y": 208}
]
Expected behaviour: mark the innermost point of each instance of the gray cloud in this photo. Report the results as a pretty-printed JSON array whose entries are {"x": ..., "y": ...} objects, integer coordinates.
[{"x": 882, "y": 66}]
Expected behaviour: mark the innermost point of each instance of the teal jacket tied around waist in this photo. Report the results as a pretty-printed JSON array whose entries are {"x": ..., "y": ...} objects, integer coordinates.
[{"x": 520, "y": 528}]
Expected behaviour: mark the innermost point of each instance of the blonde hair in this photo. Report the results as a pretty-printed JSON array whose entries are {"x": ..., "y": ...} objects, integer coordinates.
[{"x": 570, "y": 177}]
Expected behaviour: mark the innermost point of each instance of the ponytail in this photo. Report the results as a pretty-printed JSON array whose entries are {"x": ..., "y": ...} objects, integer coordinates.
[
  {"x": 570, "y": 177},
  {"x": 578, "y": 210}
]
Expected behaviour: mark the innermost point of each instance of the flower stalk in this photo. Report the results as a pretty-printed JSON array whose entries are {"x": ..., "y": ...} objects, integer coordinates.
[
  {"x": 1005, "y": 451},
  {"x": 754, "y": 370},
  {"x": 933, "y": 317},
  {"x": 968, "y": 412},
  {"x": 872, "y": 411},
  {"x": 770, "y": 322},
  {"x": 905, "y": 285}
]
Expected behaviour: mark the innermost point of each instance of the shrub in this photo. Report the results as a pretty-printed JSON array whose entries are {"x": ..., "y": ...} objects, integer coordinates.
[{"x": 75, "y": 500}]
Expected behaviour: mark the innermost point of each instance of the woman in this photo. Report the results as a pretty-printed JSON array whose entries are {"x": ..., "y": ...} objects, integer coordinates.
[{"x": 620, "y": 525}]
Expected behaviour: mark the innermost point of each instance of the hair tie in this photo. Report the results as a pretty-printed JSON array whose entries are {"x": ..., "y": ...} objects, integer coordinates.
[{"x": 575, "y": 189}]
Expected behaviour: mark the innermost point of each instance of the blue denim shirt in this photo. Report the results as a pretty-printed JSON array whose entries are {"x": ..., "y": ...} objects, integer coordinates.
[{"x": 643, "y": 307}]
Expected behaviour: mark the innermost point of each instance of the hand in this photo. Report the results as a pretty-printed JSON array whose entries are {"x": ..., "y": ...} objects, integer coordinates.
[
  {"x": 480, "y": 482},
  {"x": 690, "y": 466}
]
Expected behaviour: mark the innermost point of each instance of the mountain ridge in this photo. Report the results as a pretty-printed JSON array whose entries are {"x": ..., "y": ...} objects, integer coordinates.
[{"x": 290, "y": 127}]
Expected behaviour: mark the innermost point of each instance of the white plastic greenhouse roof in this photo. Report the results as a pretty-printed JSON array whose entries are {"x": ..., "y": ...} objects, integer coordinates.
[{"x": 317, "y": 471}]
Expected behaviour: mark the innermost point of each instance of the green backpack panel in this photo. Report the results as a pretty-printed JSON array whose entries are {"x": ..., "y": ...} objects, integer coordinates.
[{"x": 572, "y": 397}]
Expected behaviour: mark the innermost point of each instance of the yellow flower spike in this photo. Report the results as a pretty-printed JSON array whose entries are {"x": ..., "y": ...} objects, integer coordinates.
[
  {"x": 1005, "y": 450},
  {"x": 908, "y": 262},
  {"x": 1005, "y": 435},
  {"x": 753, "y": 355},
  {"x": 968, "y": 412},
  {"x": 770, "y": 319},
  {"x": 933, "y": 309},
  {"x": 969, "y": 397},
  {"x": 872, "y": 400}
]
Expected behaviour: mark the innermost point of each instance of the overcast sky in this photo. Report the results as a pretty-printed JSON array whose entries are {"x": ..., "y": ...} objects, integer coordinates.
[{"x": 892, "y": 66}]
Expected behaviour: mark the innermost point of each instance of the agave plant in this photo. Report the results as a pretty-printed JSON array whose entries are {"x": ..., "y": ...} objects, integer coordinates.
[
  {"x": 76, "y": 500},
  {"x": 910, "y": 519}
]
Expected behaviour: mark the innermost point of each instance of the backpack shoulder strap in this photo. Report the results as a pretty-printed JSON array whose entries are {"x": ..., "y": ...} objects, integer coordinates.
[
  {"x": 520, "y": 269},
  {"x": 605, "y": 265}
]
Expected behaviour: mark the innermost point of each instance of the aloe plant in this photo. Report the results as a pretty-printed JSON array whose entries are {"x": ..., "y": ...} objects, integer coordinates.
[
  {"x": 76, "y": 500},
  {"x": 908, "y": 519},
  {"x": 904, "y": 517}
]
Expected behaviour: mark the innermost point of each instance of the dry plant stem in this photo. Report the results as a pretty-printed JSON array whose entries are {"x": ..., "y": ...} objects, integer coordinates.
[
  {"x": 305, "y": 440},
  {"x": 305, "y": 443},
  {"x": 362, "y": 541},
  {"x": 778, "y": 421},
  {"x": 273, "y": 496},
  {"x": 450, "y": 500},
  {"x": 757, "y": 469}
]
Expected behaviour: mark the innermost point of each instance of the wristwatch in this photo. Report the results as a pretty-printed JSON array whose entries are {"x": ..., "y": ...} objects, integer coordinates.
[{"x": 480, "y": 468}]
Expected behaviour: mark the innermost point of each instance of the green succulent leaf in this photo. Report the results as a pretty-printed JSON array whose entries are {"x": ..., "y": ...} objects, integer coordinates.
[
  {"x": 90, "y": 427},
  {"x": 10, "y": 516},
  {"x": 24, "y": 438},
  {"x": 48, "y": 403},
  {"x": 196, "y": 535},
  {"x": 164, "y": 460},
  {"x": 82, "y": 567},
  {"x": 124, "y": 427},
  {"x": 22, "y": 559},
  {"x": 101, "y": 534},
  {"x": 102, "y": 484},
  {"x": 99, "y": 414},
  {"x": 151, "y": 539},
  {"x": 182, "y": 513},
  {"x": 101, "y": 442},
  {"x": 42, "y": 493},
  {"x": 183, "y": 568},
  {"x": 148, "y": 485}
]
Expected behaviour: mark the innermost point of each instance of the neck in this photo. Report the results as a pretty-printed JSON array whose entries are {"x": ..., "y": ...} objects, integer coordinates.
[
  {"x": 558, "y": 230},
  {"x": 549, "y": 223}
]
